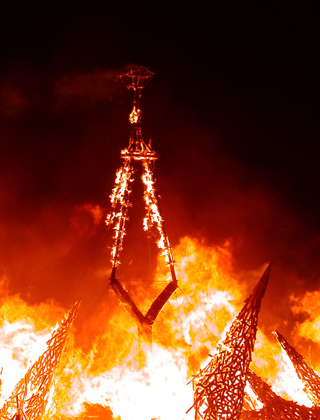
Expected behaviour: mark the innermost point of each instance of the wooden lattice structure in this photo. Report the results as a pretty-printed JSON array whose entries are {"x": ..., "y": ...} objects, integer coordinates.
[
  {"x": 138, "y": 151},
  {"x": 274, "y": 406},
  {"x": 304, "y": 372},
  {"x": 221, "y": 384},
  {"x": 30, "y": 396}
]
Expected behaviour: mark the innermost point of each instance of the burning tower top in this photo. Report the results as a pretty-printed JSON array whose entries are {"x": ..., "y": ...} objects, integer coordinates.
[
  {"x": 137, "y": 80},
  {"x": 138, "y": 150}
]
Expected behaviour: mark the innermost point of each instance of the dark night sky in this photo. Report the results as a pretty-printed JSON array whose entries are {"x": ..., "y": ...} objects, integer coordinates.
[{"x": 232, "y": 111}]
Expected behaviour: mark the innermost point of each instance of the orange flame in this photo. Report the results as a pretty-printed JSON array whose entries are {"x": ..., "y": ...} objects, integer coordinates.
[{"x": 111, "y": 372}]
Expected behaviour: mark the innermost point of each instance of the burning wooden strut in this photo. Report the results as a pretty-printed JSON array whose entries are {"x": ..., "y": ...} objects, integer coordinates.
[
  {"x": 304, "y": 372},
  {"x": 220, "y": 386},
  {"x": 274, "y": 406},
  {"x": 138, "y": 151},
  {"x": 29, "y": 398}
]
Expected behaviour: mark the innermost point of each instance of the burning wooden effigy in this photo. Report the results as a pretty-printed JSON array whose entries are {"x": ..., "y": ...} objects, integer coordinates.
[{"x": 138, "y": 151}]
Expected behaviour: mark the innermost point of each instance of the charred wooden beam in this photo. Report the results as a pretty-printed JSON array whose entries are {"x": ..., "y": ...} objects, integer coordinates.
[
  {"x": 159, "y": 303},
  {"x": 144, "y": 322}
]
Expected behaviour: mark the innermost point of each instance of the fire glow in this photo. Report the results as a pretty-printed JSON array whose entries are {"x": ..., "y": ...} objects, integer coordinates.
[
  {"x": 121, "y": 374},
  {"x": 185, "y": 333}
]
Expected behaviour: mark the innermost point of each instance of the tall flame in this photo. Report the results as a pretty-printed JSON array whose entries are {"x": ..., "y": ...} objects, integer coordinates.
[{"x": 108, "y": 373}]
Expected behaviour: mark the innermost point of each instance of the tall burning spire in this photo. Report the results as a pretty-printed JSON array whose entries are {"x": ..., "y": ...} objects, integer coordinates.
[
  {"x": 220, "y": 390},
  {"x": 30, "y": 397},
  {"x": 309, "y": 377},
  {"x": 138, "y": 150}
]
